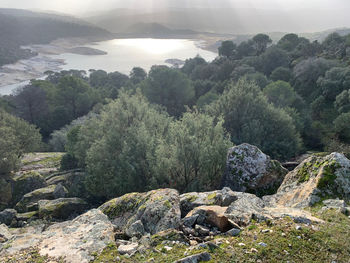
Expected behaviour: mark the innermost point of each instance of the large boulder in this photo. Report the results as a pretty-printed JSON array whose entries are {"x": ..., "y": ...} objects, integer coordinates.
[
  {"x": 7, "y": 216},
  {"x": 26, "y": 182},
  {"x": 29, "y": 202},
  {"x": 77, "y": 240},
  {"x": 250, "y": 170},
  {"x": 73, "y": 181},
  {"x": 62, "y": 208},
  {"x": 315, "y": 179},
  {"x": 189, "y": 201},
  {"x": 157, "y": 210},
  {"x": 5, "y": 234}
]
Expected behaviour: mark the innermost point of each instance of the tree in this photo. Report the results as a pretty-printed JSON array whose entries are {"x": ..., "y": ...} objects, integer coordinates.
[
  {"x": 137, "y": 75},
  {"x": 271, "y": 59},
  {"x": 16, "y": 138},
  {"x": 280, "y": 93},
  {"x": 194, "y": 153},
  {"x": 261, "y": 41},
  {"x": 118, "y": 147},
  {"x": 281, "y": 73},
  {"x": 251, "y": 119},
  {"x": 335, "y": 81},
  {"x": 227, "y": 48},
  {"x": 342, "y": 127},
  {"x": 168, "y": 87},
  {"x": 192, "y": 63},
  {"x": 288, "y": 42},
  {"x": 342, "y": 102}
]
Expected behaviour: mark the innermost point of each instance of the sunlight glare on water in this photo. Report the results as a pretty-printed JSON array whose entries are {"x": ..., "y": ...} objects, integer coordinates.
[{"x": 152, "y": 46}]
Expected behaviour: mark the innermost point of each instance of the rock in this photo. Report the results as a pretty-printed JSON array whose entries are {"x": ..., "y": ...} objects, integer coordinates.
[
  {"x": 202, "y": 230},
  {"x": 168, "y": 235},
  {"x": 5, "y": 234},
  {"x": 233, "y": 232},
  {"x": 27, "y": 217},
  {"x": 262, "y": 244},
  {"x": 250, "y": 170},
  {"x": 189, "y": 221},
  {"x": 334, "y": 203},
  {"x": 60, "y": 191},
  {"x": 76, "y": 240},
  {"x": 73, "y": 181},
  {"x": 136, "y": 229},
  {"x": 6, "y": 192},
  {"x": 61, "y": 208},
  {"x": 213, "y": 215},
  {"x": 316, "y": 178},
  {"x": 26, "y": 182},
  {"x": 189, "y": 201},
  {"x": 158, "y": 210},
  {"x": 245, "y": 208},
  {"x": 128, "y": 249},
  {"x": 7, "y": 216},
  {"x": 29, "y": 201},
  {"x": 205, "y": 256}
]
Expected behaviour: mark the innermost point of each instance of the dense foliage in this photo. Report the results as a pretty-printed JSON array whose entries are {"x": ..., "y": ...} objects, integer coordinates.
[
  {"x": 284, "y": 97},
  {"x": 16, "y": 138}
]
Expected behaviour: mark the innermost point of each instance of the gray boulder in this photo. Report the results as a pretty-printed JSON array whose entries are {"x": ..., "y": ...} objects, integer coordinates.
[
  {"x": 7, "y": 216},
  {"x": 62, "y": 208},
  {"x": 26, "y": 182},
  {"x": 5, "y": 234},
  {"x": 205, "y": 256},
  {"x": 189, "y": 201},
  {"x": 29, "y": 201},
  {"x": 250, "y": 170},
  {"x": 158, "y": 210},
  {"x": 316, "y": 178}
]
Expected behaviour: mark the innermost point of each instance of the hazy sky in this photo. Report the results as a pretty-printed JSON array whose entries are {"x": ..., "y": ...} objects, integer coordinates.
[{"x": 83, "y": 6}]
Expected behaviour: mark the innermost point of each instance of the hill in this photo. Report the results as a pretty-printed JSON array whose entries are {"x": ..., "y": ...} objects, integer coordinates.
[{"x": 22, "y": 27}]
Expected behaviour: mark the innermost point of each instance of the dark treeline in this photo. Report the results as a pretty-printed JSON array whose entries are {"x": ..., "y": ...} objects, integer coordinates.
[{"x": 171, "y": 127}]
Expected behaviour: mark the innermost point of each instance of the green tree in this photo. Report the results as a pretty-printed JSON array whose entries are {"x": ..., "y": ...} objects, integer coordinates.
[
  {"x": 227, "y": 48},
  {"x": 118, "y": 147},
  {"x": 280, "y": 93},
  {"x": 281, "y": 73},
  {"x": 342, "y": 127},
  {"x": 342, "y": 102},
  {"x": 16, "y": 138},
  {"x": 261, "y": 41},
  {"x": 194, "y": 153},
  {"x": 251, "y": 119},
  {"x": 170, "y": 88},
  {"x": 137, "y": 75}
]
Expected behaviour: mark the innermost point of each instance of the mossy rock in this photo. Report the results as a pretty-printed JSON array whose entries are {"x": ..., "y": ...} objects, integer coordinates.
[
  {"x": 168, "y": 235},
  {"x": 28, "y": 200},
  {"x": 62, "y": 208},
  {"x": 26, "y": 182}
]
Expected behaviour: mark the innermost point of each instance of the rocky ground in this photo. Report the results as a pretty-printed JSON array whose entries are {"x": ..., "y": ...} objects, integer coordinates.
[{"x": 306, "y": 219}]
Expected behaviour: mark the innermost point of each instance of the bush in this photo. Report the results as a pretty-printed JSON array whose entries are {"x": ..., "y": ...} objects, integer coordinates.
[
  {"x": 68, "y": 162},
  {"x": 249, "y": 118}
]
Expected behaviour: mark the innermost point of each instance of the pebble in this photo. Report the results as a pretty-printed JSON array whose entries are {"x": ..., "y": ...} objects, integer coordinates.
[
  {"x": 298, "y": 227},
  {"x": 168, "y": 248},
  {"x": 241, "y": 244},
  {"x": 254, "y": 250},
  {"x": 266, "y": 231},
  {"x": 262, "y": 244}
]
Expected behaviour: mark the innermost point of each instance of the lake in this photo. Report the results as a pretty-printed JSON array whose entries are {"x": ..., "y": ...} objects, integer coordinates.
[{"x": 124, "y": 54}]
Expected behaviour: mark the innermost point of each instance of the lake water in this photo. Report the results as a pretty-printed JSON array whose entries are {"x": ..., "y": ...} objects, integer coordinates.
[{"x": 124, "y": 54}]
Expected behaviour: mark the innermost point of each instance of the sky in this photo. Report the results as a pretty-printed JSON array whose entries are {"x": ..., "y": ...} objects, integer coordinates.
[{"x": 79, "y": 7}]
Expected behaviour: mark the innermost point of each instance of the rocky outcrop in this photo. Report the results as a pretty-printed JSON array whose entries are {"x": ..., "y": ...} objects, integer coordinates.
[
  {"x": 189, "y": 201},
  {"x": 205, "y": 256},
  {"x": 7, "y": 216},
  {"x": 250, "y": 170},
  {"x": 62, "y": 208},
  {"x": 29, "y": 202},
  {"x": 24, "y": 183},
  {"x": 315, "y": 179},
  {"x": 73, "y": 241},
  {"x": 5, "y": 234},
  {"x": 157, "y": 210}
]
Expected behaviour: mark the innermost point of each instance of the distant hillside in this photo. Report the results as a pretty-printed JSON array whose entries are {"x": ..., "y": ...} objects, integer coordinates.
[
  {"x": 22, "y": 27},
  {"x": 222, "y": 20}
]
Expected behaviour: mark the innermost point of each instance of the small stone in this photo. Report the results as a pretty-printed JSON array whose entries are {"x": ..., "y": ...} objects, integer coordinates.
[
  {"x": 262, "y": 244},
  {"x": 254, "y": 250},
  {"x": 127, "y": 249},
  {"x": 167, "y": 248},
  {"x": 193, "y": 242},
  {"x": 266, "y": 231},
  {"x": 298, "y": 227},
  {"x": 298, "y": 237},
  {"x": 241, "y": 244},
  {"x": 233, "y": 232},
  {"x": 205, "y": 256},
  {"x": 202, "y": 230},
  {"x": 283, "y": 234}
]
